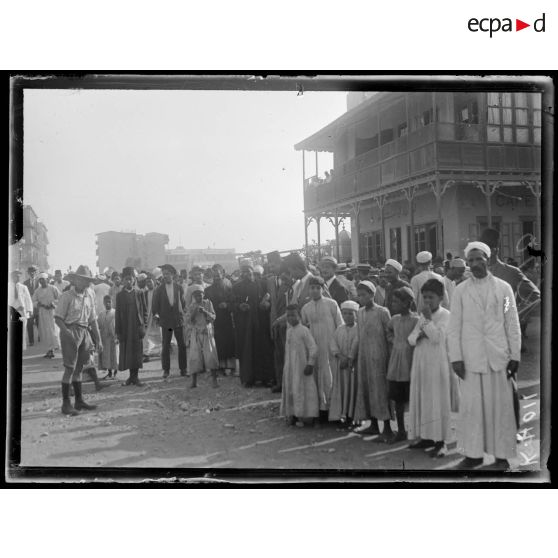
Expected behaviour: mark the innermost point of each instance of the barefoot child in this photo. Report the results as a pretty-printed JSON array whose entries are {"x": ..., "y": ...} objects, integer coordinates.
[
  {"x": 202, "y": 355},
  {"x": 371, "y": 401},
  {"x": 299, "y": 399},
  {"x": 430, "y": 406},
  {"x": 322, "y": 316},
  {"x": 107, "y": 357},
  {"x": 400, "y": 327},
  {"x": 344, "y": 349}
]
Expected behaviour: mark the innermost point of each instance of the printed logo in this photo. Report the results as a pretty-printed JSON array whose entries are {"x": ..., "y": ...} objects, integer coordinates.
[{"x": 493, "y": 25}]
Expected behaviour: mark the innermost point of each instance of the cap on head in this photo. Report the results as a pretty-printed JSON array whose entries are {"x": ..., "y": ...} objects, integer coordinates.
[
  {"x": 476, "y": 245},
  {"x": 457, "y": 262},
  {"x": 350, "y": 305},
  {"x": 395, "y": 264},
  {"x": 424, "y": 257},
  {"x": 329, "y": 260},
  {"x": 367, "y": 285}
]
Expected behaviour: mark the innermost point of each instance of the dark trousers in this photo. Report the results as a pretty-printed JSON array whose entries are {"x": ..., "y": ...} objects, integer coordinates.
[
  {"x": 166, "y": 334},
  {"x": 30, "y": 332}
]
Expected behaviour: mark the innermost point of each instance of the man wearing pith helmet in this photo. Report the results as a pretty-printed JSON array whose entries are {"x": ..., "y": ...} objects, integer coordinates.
[{"x": 484, "y": 343}]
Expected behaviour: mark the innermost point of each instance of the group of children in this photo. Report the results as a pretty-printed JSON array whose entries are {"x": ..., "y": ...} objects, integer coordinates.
[{"x": 358, "y": 365}]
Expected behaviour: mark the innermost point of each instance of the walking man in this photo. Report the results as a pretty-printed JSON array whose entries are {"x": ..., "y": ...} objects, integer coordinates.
[
  {"x": 484, "y": 343},
  {"x": 167, "y": 308},
  {"x": 76, "y": 317},
  {"x": 31, "y": 284}
]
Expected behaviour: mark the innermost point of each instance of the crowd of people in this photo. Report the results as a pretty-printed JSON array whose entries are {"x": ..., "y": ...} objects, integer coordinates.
[{"x": 352, "y": 345}]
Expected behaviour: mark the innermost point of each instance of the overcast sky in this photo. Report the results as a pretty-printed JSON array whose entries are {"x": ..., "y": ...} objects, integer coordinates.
[{"x": 209, "y": 168}]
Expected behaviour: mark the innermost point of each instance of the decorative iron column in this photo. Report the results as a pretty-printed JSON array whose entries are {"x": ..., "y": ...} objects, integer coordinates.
[
  {"x": 439, "y": 190},
  {"x": 488, "y": 189},
  {"x": 410, "y": 194}
]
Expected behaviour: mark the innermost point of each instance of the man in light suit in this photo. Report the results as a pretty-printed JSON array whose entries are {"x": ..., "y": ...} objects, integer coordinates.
[
  {"x": 20, "y": 303},
  {"x": 167, "y": 308},
  {"x": 484, "y": 343}
]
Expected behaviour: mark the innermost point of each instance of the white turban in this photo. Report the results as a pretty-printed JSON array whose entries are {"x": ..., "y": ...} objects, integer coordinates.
[
  {"x": 424, "y": 257},
  {"x": 477, "y": 246},
  {"x": 395, "y": 264},
  {"x": 369, "y": 285},
  {"x": 258, "y": 269},
  {"x": 350, "y": 305},
  {"x": 43, "y": 276}
]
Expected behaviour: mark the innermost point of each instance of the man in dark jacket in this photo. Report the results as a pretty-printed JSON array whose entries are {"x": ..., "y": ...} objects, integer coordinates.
[
  {"x": 168, "y": 311},
  {"x": 328, "y": 267}
]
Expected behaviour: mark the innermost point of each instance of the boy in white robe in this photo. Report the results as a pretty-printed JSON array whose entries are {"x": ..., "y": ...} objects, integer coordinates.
[
  {"x": 322, "y": 316},
  {"x": 299, "y": 394},
  {"x": 484, "y": 341}
]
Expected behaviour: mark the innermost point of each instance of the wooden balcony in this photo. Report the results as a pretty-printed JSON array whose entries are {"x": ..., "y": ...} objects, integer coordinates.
[{"x": 441, "y": 146}]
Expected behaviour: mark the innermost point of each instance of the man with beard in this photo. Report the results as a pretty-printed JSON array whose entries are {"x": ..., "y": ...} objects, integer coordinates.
[
  {"x": 221, "y": 296},
  {"x": 252, "y": 346},
  {"x": 484, "y": 343},
  {"x": 130, "y": 326}
]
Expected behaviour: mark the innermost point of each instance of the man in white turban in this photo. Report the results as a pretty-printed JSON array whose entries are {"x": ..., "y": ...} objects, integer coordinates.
[
  {"x": 392, "y": 270},
  {"x": 424, "y": 273},
  {"x": 484, "y": 343}
]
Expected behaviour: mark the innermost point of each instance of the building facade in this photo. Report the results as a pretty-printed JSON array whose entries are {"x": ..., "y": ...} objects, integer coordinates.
[
  {"x": 429, "y": 171},
  {"x": 186, "y": 258},
  {"x": 118, "y": 249},
  {"x": 32, "y": 248}
]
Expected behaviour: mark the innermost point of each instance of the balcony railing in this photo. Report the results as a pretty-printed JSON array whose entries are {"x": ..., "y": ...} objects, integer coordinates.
[{"x": 460, "y": 145}]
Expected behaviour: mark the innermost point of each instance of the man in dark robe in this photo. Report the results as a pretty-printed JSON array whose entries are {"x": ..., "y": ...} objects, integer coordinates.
[
  {"x": 130, "y": 326},
  {"x": 527, "y": 295},
  {"x": 221, "y": 296},
  {"x": 252, "y": 346}
]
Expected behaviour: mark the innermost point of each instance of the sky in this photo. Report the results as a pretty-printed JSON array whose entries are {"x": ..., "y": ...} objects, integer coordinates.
[{"x": 208, "y": 168}]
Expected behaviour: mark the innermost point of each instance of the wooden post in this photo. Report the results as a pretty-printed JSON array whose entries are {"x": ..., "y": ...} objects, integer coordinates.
[
  {"x": 355, "y": 207},
  {"x": 410, "y": 193},
  {"x": 535, "y": 188},
  {"x": 306, "y": 223},
  {"x": 318, "y": 219},
  {"x": 337, "y": 234},
  {"x": 316, "y": 163},
  {"x": 303, "y": 167},
  {"x": 439, "y": 190},
  {"x": 381, "y": 201},
  {"x": 488, "y": 190}
]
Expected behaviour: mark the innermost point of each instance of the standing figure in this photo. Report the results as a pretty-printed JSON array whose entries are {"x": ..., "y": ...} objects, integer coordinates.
[
  {"x": 60, "y": 283},
  {"x": 152, "y": 339},
  {"x": 76, "y": 317},
  {"x": 20, "y": 303},
  {"x": 423, "y": 274},
  {"x": 337, "y": 291},
  {"x": 44, "y": 300},
  {"x": 202, "y": 354},
  {"x": 115, "y": 288},
  {"x": 430, "y": 401},
  {"x": 196, "y": 274},
  {"x": 220, "y": 295},
  {"x": 108, "y": 359},
  {"x": 299, "y": 399},
  {"x": 393, "y": 283},
  {"x": 130, "y": 324},
  {"x": 344, "y": 349},
  {"x": 168, "y": 312},
  {"x": 322, "y": 316},
  {"x": 484, "y": 341},
  {"x": 400, "y": 326},
  {"x": 101, "y": 289},
  {"x": 255, "y": 362},
  {"x": 32, "y": 321},
  {"x": 371, "y": 401}
]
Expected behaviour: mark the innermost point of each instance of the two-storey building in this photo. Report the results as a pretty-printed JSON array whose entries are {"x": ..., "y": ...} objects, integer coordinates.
[{"x": 429, "y": 171}]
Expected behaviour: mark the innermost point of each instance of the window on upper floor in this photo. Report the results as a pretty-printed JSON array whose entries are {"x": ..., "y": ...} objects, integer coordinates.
[
  {"x": 402, "y": 130},
  {"x": 508, "y": 118}
]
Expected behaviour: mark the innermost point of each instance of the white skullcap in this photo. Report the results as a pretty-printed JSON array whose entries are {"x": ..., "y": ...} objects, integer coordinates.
[
  {"x": 350, "y": 305},
  {"x": 457, "y": 262},
  {"x": 157, "y": 272},
  {"x": 258, "y": 269},
  {"x": 395, "y": 264},
  {"x": 477, "y": 246},
  {"x": 424, "y": 257},
  {"x": 43, "y": 276},
  {"x": 369, "y": 285}
]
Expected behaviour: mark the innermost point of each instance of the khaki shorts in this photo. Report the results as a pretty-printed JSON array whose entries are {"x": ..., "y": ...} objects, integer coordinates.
[{"x": 76, "y": 347}]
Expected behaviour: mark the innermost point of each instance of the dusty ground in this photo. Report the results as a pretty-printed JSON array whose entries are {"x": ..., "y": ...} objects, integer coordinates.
[{"x": 167, "y": 424}]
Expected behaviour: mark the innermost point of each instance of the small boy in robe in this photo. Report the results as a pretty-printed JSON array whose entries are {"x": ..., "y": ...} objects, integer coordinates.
[
  {"x": 202, "y": 355},
  {"x": 299, "y": 399},
  {"x": 401, "y": 358},
  {"x": 344, "y": 349}
]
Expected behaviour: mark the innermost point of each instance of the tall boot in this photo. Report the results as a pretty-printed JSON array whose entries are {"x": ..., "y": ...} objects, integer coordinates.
[
  {"x": 80, "y": 404},
  {"x": 67, "y": 408}
]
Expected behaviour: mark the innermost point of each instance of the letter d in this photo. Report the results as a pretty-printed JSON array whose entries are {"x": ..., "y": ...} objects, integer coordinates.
[{"x": 536, "y": 24}]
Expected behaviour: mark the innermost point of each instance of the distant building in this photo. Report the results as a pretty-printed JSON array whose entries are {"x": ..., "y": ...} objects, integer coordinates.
[
  {"x": 32, "y": 247},
  {"x": 429, "y": 171},
  {"x": 118, "y": 249},
  {"x": 186, "y": 258}
]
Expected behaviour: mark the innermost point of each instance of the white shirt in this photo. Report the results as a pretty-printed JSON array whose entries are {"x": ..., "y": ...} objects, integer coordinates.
[
  {"x": 299, "y": 285},
  {"x": 23, "y": 303},
  {"x": 170, "y": 292}
]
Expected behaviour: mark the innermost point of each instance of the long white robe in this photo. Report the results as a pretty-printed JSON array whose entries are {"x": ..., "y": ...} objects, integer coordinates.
[
  {"x": 299, "y": 396},
  {"x": 322, "y": 317},
  {"x": 430, "y": 403},
  {"x": 152, "y": 341},
  {"x": 484, "y": 334},
  {"x": 46, "y": 296}
]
